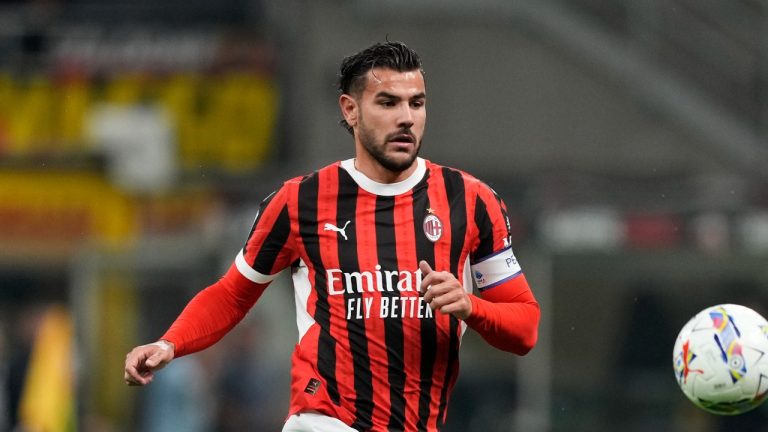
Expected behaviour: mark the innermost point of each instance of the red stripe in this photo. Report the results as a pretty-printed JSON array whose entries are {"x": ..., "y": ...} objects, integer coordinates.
[
  {"x": 406, "y": 260},
  {"x": 439, "y": 203},
  {"x": 329, "y": 252},
  {"x": 374, "y": 327}
]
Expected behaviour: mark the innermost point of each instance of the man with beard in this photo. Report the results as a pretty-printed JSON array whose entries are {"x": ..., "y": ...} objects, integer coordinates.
[{"x": 384, "y": 248}]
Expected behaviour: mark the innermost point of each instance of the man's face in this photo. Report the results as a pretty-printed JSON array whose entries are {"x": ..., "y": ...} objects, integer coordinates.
[{"x": 392, "y": 116}]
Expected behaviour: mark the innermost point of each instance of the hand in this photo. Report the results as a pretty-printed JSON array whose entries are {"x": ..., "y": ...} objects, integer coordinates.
[
  {"x": 144, "y": 360},
  {"x": 442, "y": 291}
]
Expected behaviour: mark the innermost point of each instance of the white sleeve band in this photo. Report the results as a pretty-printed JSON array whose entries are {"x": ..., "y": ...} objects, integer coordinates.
[
  {"x": 249, "y": 273},
  {"x": 496, "y": 269}
]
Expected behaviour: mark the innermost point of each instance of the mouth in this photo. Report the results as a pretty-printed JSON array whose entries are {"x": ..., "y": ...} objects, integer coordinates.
[{"x": 403, "y": 139}]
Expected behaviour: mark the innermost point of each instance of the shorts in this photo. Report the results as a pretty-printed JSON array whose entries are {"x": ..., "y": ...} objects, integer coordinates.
[{"x": 314, "y": 422}]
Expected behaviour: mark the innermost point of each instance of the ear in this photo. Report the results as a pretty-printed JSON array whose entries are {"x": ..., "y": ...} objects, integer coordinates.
[{"x": 349, "y": 109}]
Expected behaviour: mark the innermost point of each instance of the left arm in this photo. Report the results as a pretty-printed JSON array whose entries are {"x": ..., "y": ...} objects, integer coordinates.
[{"x": 506, "y": 315}]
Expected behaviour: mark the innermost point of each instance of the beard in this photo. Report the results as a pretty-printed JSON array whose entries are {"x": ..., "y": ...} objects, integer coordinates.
[{"x": 378, "y": 150}]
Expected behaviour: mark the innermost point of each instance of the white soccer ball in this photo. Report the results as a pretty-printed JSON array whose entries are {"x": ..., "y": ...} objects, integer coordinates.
[{"x": 721, "y": 359}]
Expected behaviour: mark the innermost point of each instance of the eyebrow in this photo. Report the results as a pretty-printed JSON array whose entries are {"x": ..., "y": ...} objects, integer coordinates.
[{"x": 420, "y": 95}]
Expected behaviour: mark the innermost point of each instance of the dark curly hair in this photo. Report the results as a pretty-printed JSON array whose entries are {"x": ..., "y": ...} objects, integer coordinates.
[{"x": 389, "y": 55}]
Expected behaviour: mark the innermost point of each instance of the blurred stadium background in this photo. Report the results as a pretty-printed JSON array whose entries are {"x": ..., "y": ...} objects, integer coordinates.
[{"x": 137, "y": 138}]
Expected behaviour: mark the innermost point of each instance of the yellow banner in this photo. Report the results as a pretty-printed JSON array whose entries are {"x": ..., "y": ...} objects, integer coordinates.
[
  {"x": 224, "y": 121},
  {"x": 49, "y": 209}
]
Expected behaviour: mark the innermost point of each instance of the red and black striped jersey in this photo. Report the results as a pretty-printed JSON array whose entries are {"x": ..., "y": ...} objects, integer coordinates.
[{"x": 370, "y": 351}]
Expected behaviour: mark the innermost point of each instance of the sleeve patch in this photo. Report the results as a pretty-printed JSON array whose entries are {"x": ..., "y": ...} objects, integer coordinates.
[{"x": 496, "y": 268}]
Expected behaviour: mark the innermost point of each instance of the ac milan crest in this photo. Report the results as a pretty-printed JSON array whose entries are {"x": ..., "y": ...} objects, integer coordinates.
[{"x": 433, "y": 227}]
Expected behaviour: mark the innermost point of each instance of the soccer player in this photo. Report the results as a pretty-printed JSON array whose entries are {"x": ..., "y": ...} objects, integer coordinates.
[{"x": 383, "y": 249}]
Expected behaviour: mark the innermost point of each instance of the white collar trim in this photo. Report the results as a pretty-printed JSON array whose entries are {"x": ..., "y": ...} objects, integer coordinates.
[{"x": 385, "y": 189}]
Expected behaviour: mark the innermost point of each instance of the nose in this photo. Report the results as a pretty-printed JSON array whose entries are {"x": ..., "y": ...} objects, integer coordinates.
[{"x": 405, "y": 116}]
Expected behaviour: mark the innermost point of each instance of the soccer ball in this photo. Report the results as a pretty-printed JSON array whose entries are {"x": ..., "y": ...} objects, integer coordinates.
[{"x": 721, "y": 359}]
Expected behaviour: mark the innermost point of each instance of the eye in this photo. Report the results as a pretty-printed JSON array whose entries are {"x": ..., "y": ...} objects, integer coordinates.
[
  {"x": 387, "y": 103},
  {"x": 418, "y": 103}
]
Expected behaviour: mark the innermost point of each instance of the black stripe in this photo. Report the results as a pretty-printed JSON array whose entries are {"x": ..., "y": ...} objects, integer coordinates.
[
  {"x": 262, "y": 207},
  {"x": 425, "y": 250},
  {"x": 451, "y": 371},
  {"x": 346, "y": 206},
  {"x": 326, "y": 346},
  {"x": 454, "y": 188},
  {"x": 273, "y": 244},
  {"x": 485, "y": 228},
  {"x": 393, "y": 330},
  {"x": 504, "y": 213}
]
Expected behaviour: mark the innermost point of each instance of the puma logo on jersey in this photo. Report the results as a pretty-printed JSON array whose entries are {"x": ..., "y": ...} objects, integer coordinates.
[{"x": 331, "y": 227}]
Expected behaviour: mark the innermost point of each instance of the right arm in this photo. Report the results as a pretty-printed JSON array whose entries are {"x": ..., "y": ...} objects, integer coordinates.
[
  {"x": 215, "y": 310},
  {"x": 204, "y": 321}
]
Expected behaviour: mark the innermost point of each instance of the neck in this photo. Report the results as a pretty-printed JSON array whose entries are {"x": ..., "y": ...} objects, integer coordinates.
[{"x": 378, "y": 173}]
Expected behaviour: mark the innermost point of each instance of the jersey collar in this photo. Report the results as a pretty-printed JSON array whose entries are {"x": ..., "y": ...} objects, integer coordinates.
[{"x": 385, "y": 189}]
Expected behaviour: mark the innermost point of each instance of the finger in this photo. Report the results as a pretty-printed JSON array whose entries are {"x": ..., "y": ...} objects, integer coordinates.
[
  {"x": 153, "y": 361},
  {"x": 157, "y": 360},
  {"x": 433, "y": 290},
  {"x": 441, "y": 295},
  {"x": 425, "y": 267},
  {"x": 143, "y": 379},
  {"x": 461, "y": 309},
  {"x": 429, "y": 276},
  {"x": 143, "y": 382},
  {"x": 135, "y": 366},
  {"x": 131, "y": 381},
  {"x": 132, "y": 375},
  {"x": 437, "y": 289},
  {"x": 453, "y": 308},
  {"x": 450, "y": 301},
  {"x": 436, "y": 277}
]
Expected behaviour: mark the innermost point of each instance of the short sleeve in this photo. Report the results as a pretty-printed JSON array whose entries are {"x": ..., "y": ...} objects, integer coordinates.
[
  {"x": 492, "y": 260},
  {"x": 268, "y": 248}
]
